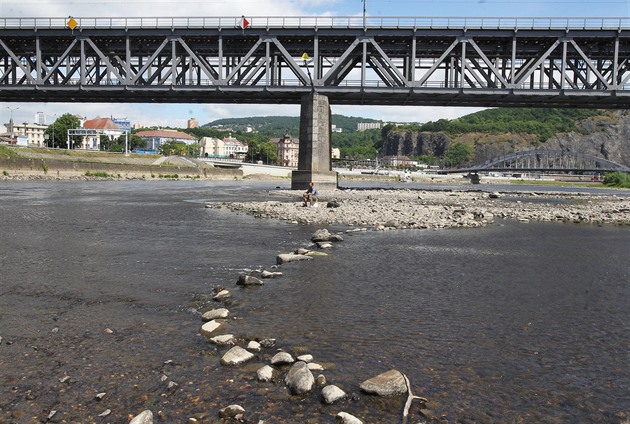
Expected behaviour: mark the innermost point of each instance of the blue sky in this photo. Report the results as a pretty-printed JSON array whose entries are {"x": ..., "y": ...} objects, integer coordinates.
[{"x": 177, "y": 114}]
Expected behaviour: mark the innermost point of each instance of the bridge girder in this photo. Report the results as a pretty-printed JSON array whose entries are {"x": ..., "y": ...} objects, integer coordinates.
[
  {"x": 551, "y": 160},
  {"x": 373, "y": 65}
]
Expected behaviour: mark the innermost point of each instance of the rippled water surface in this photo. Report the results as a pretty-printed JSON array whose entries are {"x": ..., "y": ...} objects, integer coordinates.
[{"x": 102, "y": 284}]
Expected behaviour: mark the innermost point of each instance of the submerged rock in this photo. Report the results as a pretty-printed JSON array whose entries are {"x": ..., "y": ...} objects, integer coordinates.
[
  {"x": 248, "y": 280},
  {"x": 231, "y": 411},
  {"x": 223, "y": 340}
]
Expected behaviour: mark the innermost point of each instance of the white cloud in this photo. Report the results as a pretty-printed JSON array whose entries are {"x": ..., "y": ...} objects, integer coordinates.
[{"x": 153, "y": 8}]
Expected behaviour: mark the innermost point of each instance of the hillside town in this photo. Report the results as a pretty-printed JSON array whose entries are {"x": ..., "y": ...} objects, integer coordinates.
[{"x": 91, "y": 133}]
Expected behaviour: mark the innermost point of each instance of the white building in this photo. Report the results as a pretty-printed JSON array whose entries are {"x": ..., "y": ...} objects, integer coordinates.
[
  {"x": 212, "y": 147},
  {"x": 288, "y": 151},
  {"x": 234, "y": 148},
  {"x": 229, "y": 147},
  {"x": 27, "y": 134},
  {"x": 91, "y": 140},
  {"x": 156, "y": 137}
]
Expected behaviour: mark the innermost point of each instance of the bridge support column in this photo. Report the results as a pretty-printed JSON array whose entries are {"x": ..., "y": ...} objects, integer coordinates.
[{"x": 315, "y": 157}]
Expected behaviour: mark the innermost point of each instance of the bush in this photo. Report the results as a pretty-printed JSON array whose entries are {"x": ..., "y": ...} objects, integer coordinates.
[
  {"x": 617, "y": 179},
  {"x": 101, "y": 174}
]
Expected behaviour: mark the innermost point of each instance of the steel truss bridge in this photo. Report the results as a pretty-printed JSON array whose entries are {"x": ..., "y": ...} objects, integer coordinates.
[
  {"x": 557, "y": 161},
  {"x": 483, "y": 62}
]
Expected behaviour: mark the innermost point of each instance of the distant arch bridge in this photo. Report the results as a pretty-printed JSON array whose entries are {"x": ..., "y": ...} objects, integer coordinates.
[{"x": 548, "y": 161}]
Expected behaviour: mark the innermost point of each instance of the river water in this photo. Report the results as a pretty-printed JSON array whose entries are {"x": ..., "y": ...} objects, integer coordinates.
[{"x": 102, "y": 284}]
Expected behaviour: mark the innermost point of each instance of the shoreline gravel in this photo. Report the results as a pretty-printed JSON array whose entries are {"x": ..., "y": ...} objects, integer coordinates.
[{"x": 382, "y": 209}]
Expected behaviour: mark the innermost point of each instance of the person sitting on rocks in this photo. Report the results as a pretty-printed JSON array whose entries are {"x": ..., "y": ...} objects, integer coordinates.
[{"x": 310, "y": 195}]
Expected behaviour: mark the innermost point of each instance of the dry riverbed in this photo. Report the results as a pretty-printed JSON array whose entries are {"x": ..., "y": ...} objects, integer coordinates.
[{"x": 405, "y": 209}]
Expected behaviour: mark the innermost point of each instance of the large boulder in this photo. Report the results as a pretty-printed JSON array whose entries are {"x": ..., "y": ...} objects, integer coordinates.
[
  {"x": 236, "y": 356},
  {"x": 388, "y": 383},
  {"x": 299, "y": 379}
]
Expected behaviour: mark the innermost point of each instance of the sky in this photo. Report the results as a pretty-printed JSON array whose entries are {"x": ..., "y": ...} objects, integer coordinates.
[{"x": 177, "y": 115}]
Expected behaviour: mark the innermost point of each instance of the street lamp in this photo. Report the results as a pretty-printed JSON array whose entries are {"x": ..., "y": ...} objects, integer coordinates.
[
  {"x": 11, "y": 120},
  {"x": 53, "y": 131}
]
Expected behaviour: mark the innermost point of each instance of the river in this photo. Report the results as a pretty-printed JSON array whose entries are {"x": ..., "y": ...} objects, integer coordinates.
[{"x": 102, "y": 285}]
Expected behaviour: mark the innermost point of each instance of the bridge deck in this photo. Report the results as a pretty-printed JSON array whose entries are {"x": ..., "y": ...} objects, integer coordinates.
[{"x": 483, "y": 62}]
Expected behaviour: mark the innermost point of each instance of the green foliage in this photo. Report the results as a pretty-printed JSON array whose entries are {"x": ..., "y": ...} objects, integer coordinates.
[
  {"x": 169, "y": 176},
  {"x": 57, "y": 132},
  {"x": 100, "y": 174},
  {"x": 118, "y": 144},
  {"x": 5, "y": 173},
  {"x": 542, "y": 122},
  {"x": 278, "y": 126},
  {"x": 617, "y": 179},
  {"x": 45, "y": 167},
  {"x": 173, "y": 148},
  {"x": 458, "y": 154},
  {"x": 8, "y": 152},
  {"x": 358, "y": 145},
  {"x": 264, "y": 151}
]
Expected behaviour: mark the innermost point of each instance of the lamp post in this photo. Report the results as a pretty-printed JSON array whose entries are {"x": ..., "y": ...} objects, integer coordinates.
[
  {"x": 53, "y": 131},
  {"x": 364, "y": 26},
  {"x": 11, "y": 119}
]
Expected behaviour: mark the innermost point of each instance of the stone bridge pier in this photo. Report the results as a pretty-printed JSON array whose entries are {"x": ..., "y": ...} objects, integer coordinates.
[{"x": 315, "y": 156}]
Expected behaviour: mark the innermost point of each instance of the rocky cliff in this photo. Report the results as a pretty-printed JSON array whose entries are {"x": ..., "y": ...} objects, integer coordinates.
[{"x": 606, "y": 135}]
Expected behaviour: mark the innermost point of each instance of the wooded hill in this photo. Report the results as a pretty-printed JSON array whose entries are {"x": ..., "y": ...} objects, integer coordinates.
[
  {"x": 471, "y": 138},
  {"x": 278, "y": 126}
]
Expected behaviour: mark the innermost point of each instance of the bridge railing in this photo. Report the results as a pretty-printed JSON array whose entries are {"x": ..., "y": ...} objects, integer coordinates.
[{"x": 320, "y": 22}]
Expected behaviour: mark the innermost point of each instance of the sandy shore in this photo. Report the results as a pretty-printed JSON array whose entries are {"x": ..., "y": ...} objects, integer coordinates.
[{"x": 402, "y": 209}]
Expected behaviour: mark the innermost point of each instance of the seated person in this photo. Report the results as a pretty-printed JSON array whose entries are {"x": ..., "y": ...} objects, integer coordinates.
[{"x": 310, "y": 195}]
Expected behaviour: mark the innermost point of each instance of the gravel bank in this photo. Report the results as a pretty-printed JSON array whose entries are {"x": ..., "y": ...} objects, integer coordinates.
[{"x": 402, "y": 209}]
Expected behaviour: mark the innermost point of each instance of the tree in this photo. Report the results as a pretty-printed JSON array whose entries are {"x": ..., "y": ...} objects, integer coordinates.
[
  {"x": 458, "y": 154},
  {"x": 57, "y": 132},
  {"x": 173, "y": 148},
  {"x": 264, "y": 151},
  {"x": 118, "y": 144}
]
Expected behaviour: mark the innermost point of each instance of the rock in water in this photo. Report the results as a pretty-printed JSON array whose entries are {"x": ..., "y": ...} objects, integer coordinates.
[
  {"x": 345, "y": 418},
  {"x": 332, "y": 393},
  {"x": 299, "y": 379},
  {"x": 388, "y": 383},
  {"x": 236, "y": 356},
  {"x": 248, "y": 280}
]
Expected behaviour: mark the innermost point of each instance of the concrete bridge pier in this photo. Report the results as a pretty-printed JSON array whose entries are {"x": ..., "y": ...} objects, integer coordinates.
[{"x": 315, "y": 157}]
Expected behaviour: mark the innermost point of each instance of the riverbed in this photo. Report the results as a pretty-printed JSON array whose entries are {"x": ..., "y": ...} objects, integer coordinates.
[{"x": 102, "y": 286}]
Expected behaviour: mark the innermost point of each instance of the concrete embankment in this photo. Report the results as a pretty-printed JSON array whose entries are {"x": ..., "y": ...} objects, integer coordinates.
[{"x": 40, "y": 168}]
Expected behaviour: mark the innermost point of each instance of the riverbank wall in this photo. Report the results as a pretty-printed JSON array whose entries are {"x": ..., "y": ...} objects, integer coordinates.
[{"x": 39, "y": 168}]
